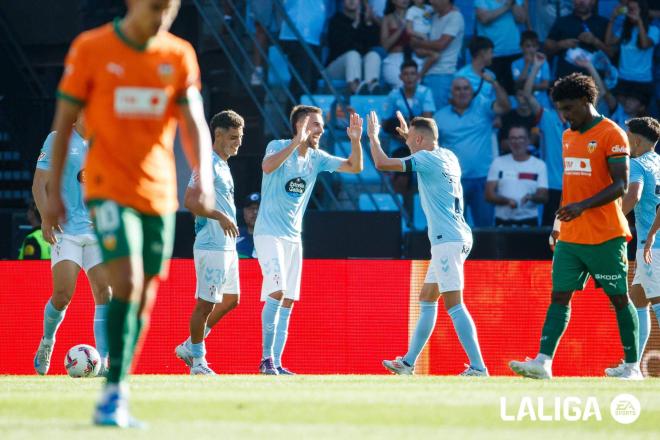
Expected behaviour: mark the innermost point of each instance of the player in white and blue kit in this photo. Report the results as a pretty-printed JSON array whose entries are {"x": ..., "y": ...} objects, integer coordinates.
[
  {"x": 74, "y": 246},
  {"x": 214, "y": 251},
  {"x": 441, "y": 194},
  {"x": 290, "y": 168},
  {"x": 644, "y": 196}
]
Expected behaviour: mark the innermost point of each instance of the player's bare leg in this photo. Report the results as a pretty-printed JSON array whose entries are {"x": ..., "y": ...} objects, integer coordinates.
[{"x": 65, "y": 274}]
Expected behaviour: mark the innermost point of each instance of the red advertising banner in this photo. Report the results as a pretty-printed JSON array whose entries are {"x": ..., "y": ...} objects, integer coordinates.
[{"x": 352, "y": 315}]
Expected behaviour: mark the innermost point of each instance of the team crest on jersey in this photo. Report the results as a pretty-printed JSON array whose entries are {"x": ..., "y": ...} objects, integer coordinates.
[
  {"x": 166, "y": 72},
  {"x": 591, "y": 146},
  {"x": 295, "y": 187}
]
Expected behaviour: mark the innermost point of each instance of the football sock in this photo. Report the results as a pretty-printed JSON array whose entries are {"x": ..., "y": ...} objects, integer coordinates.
[
  {"x": 268, "y": 317},
  {"x": 629, "y": 332},
  {"x": 207, "y": 330},
  {"x": 644, "y": 328},
  {"x": 281, "y": 333},
  {"x": 428, "y": 312},
  {"x": 122, "y": 326},
  {"x": 556, "y": 321},
  {"x": 198, "y": 352},
  {"x": 100, "y": 312},
  {"x": 656, "y": 310},
  {"x": 467, "y": 334},
  {"x": 52, "y": 320}
]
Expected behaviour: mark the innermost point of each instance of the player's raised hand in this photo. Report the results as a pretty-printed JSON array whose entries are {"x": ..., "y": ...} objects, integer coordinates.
[
  {"x": 402, "y": 129},
  {"x": 54, "y": 215},
  {"x": 354, "y": 130},
  {"x": 373, "y": 125},
  {"x": 303, "y": 132},
  {"x": 227, "y": 225},
  {"x": 648, "y": 256}
]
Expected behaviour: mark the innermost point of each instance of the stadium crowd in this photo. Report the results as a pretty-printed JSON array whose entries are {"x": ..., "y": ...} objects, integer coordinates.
[{"x": 486, "y": 87}]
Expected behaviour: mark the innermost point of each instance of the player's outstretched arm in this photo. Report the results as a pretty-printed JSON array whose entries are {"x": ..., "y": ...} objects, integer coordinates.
[
  {"x": 618, "y": 187},
  {"x": 381, "y": 160},
  {"x": 192, "y": 203},
  {"x": 650, "y": 238},
  {"x": 633, "y": 195},
  {"x": 275, "y": 160},
  {"x": 353, "y": 164},
  {"x": 66, "y": 113},
  {"x": 197, "y": 146}
]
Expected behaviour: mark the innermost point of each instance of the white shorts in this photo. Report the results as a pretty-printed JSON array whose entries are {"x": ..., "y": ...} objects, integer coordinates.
[
  {"x": 281, "y": 265},
  {"x": 648, "y": 275},
  {"x": 446, "y": 268},
  {"x": 82, "y": 249},
  {"x": 217, "y": 273}
]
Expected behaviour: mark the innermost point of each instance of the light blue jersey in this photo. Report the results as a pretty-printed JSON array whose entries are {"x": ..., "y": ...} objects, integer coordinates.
[
  {"x": 286, "y": 191},
  {"x": 77, "y": 217},
  {"x": 209, "y": 235},
  {"x": 645, "y": 170},
  {"x": 441, "y": 194}
]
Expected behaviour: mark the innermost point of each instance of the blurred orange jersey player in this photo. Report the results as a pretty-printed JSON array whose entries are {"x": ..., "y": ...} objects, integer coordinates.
[{"x": 134, "y": 81}]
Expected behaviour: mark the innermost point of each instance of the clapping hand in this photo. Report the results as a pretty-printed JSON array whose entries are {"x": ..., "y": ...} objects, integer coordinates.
[
  {"x": 354, "y": 130},
  {"x": 303, "y": 132},
  {"x": 373, "y": 126},
  {"x": 402, "y": 129}
]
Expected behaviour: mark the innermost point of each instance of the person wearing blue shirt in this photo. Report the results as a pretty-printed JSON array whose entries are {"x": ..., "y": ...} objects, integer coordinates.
[
  {"x": 635, "y": 41},
  {"x": 465, "y": 127},
  {"x": 245, "y": 239},
  {"x": 497, "y": 20},
  {"x": 73, "y": 247},
  {"x": 308, "y": 17},
  {"x": 551, "y": 129},
  {"x": 644, "y": 196},
  {"x": 481, "y": 52},
  {"x": 290, "y": 168},
  {"x": 441, "y": 195},
  {"x": 412, "y": 99},
  {"x": 214, "y": 252},
  {"x": 521, "y": 68}
]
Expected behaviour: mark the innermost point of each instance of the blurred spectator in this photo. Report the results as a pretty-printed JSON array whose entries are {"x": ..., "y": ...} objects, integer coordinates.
[
  {"x": 411, "y": 99},
  {"x": 551, "y": 128},
  {"x": 520, "y": 68},
  {"x": 623, "y": 104},
  {"x": 517, "y": 183},
  {"x": 481, "y": 52},
  {"x": 34, "y": 246},
  {"x": 245, "y": 240},
  {"x": 376, "y": 9},
  {"x": 583, "y": 28},
  {"x": 308, "y": 17},
  {"x": 267, "y": 20},
  {"x": 521, "y": 115},
  {"x": 496, "y": 19},
  {"x": 465, "y": 128},
  {"x": 351, "y": 42},
  {"x": 419, "y": 18},
  {"x": 545, "y": 14},
  {"x": 446, "y": 39},
  {"x": 395, "y": 39},
  {"x": 634, "y": 41}
]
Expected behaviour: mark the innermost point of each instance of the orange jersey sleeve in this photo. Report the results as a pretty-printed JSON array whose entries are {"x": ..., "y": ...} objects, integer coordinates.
[
  {"x": 190, "y": 75},
  {"x": 76, "y": 82}
]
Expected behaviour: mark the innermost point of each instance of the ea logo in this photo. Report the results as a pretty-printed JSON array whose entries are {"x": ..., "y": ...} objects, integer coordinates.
[{"x": 625, "y": 409}]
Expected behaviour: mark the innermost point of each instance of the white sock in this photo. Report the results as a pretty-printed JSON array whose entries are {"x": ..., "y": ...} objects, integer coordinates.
[{"x": 544, "y": 358}]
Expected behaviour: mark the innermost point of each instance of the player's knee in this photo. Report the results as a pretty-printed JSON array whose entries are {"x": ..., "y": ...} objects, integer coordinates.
[
  {"x": 61, "y": 298},
  {"x": 127, "y": 288},
  {"x": 287, "y": 303},
  {"x": 204, "y": 308},
  {"x": 619, "y": 301}
]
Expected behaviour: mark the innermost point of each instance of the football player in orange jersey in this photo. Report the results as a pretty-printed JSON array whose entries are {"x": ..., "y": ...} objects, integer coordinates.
[
  {"x": 594, "y": 231},
  {"x": 134, "y": 80}
]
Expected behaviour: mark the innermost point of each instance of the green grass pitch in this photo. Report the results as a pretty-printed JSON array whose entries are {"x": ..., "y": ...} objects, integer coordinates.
[{"x": 310, "y": 407}]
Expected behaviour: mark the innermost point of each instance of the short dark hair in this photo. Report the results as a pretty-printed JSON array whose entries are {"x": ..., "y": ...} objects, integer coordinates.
[
  {"x": 409, "y": 63},
  {"x": 427, "y": 124},
  {"x": 518, "y": 125},
  {"x": 646, "y": 127},
  {"x": 574, "y": 86},
  {"x": 300, "y": 111},
  {"x": 479, "y": 43},
  {"x": 226, "y": 119},
  {"x": 528, "y": 36}
]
